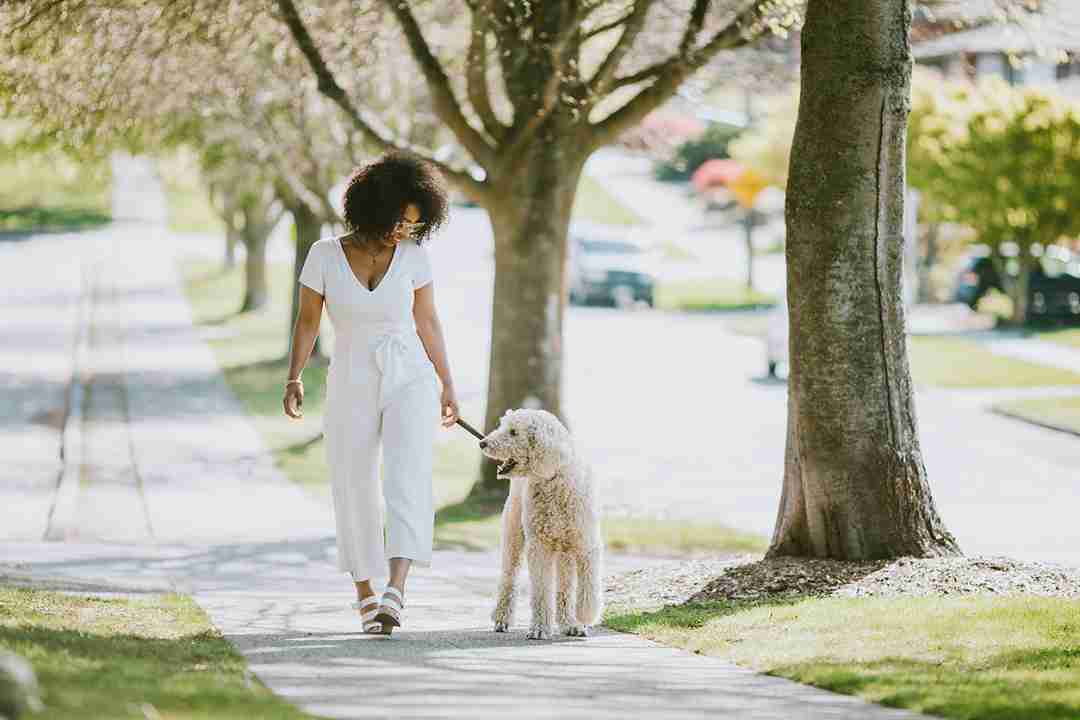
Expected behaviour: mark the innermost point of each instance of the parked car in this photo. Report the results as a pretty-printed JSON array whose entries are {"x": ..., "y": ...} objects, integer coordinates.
[
  {"x": 1054, "y": 286},
  {"x": 615, "y": 270}
]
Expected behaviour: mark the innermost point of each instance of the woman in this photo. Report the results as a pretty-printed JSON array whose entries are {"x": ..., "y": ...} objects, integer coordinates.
[{"x": 381, "y": 388}]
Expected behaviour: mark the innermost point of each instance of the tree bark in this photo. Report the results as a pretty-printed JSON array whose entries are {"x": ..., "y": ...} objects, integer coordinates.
[
  {"x": 308, "y": 226},
  {"x": 232, "y": 239},
  {"x": 530, "y": 218},
  {"x": 259, "y": 221},
  {"x": 1019, "y": 289},
  {"x": 926, "y": 268},
  {"x": 749, "y": 220},
  {"x": 855, "y": 485}
]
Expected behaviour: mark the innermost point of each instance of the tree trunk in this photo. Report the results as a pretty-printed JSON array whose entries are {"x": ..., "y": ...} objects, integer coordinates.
[
  {"x": 258, "y": 223},
  {"x": 1019, "y": 289},
  {"x": 307, "y": 225},
  {"x": 855, "y": 486},
  {"x": 225, "y": 204},
  {"x": 929, "y": 261},
  {"x": 749, "y": 221},
  {"x": 232, "y": 239},
  {"x": 530, "y": 219}
]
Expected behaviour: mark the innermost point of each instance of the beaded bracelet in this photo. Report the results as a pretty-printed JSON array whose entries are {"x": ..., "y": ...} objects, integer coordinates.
[{"x": 295, "y": 382}]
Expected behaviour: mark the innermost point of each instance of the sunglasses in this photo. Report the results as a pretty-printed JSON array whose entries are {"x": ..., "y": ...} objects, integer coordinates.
[{"x": 410, "y": 228}]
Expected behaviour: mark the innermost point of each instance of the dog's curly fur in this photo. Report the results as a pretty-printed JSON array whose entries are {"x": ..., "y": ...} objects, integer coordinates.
[{"x": 552, "y": 515}]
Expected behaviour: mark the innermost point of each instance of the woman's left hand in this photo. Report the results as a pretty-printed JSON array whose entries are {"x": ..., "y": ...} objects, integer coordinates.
[{"x": 449, "y": 407}]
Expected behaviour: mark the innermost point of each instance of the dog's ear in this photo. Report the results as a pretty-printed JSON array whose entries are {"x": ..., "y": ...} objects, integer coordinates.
[{"x": 552, "y": 448}]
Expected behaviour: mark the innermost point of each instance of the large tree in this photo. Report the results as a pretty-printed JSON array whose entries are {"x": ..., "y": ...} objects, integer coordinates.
[
  {"x": 855, "y": 485},
  {"x": 543, "y": 85},
  {"x": 1004, "y": 161}
]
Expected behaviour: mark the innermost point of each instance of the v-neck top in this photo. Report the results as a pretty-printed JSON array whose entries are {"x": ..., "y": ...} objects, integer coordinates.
[
  {"x": 345, "y": 259},
  {"x": 371, "y": 327}
]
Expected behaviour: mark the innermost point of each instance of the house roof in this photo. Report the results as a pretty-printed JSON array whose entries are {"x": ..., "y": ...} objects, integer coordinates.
[{"x": 1055, "y": 29}]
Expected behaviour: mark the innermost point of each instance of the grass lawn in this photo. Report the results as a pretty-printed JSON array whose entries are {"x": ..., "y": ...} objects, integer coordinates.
[
  {"x": 1061, "y": 412},
  {"x": 156, "y": 656},
  {"x": 1069, "y": 337},
  {"x": 51, "y": 191},
  {"x": 251, "y": 350},
  {"x": 956, "y": 657},
  {"x": 187, "y": 198},
  {"x": 956, "y": 362},
  {"x": 946, "y": 361},
  {"x": 709, "y": 294},
  {"x": 594, "y": 204}
]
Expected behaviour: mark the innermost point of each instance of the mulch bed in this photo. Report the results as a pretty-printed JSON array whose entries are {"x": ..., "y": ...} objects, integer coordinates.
[{"x": 751, "y": 579}]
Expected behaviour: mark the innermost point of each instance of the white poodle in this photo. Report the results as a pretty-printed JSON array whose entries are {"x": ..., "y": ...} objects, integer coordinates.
[{"x": 552, "y": 513}]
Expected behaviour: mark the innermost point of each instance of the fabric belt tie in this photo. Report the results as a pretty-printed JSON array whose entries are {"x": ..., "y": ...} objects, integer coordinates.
[{"x": 393, "y": 358}]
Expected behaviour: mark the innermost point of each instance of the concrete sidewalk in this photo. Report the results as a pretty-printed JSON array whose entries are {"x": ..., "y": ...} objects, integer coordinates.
[
  {"x": 284, "y": 606},
  {"x": 161, "y": 451}
]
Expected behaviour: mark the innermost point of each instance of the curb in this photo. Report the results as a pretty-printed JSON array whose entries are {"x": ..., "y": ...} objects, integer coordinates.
[
  {"x": 1038, "y": 423},
  {"x": 62, "y": 514}
]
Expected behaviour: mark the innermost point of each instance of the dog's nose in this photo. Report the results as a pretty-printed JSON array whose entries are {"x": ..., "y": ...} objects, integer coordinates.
[{"x": 483, "y": 444}]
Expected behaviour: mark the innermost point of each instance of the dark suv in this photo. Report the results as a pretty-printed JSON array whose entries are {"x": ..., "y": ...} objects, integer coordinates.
[
  {"x": 609, "y": 270},
  {"x": 1054, "y": 288}
]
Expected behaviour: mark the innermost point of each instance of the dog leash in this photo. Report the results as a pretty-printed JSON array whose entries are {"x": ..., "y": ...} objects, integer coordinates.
[{"x": 473, "y": 431}]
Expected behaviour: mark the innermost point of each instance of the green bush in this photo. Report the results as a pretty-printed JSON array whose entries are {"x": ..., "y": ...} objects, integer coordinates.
[{"x": 713, "y": 144}]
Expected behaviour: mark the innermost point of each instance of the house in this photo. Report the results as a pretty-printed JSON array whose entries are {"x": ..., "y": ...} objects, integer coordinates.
[{"x": 971, "y": 39}]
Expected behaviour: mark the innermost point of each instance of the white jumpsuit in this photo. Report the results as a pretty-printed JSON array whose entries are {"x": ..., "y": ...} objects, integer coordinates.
[{"x": 381, "y": 389}]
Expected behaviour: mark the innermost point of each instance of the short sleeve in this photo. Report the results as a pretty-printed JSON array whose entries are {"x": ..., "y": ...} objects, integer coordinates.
[
  {"x": 421, "y": 267},
  {"x": 313, "y": 273}
]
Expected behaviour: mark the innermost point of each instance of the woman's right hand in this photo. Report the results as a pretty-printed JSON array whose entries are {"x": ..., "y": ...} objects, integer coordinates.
[{"x": 294, "y": 400}]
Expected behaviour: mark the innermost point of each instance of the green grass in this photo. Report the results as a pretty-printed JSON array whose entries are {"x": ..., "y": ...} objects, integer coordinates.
[
  {"x": 250, "y": 347},
  {"x": 956, "y": 362},
  {"x": 711, "y": 294},
  {"x": 111, "y": 657},
  {"x": 1069, "y": 337},
  {"x": 596, "y": 205},
  {"x": 1059, "y": 412},
  {"x": 188, "y": 201},
  {"x": 947, "y": 361},
  {"x": 190, "y": 210},
  {"x": 48, "y": 190},
  {"x": 46, "y": 219},
  {"x": 957, "y": 657},
  {"x": 476, "y": 525}
]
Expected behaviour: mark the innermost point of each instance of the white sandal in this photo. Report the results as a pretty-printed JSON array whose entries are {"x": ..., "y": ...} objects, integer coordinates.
[
  {"x": 391, "y": 609},
  {"x": 367, "y": 617}
]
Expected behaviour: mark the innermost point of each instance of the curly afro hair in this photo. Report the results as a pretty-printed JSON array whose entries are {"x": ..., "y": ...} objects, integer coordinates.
[{"x": 377, "y": 194}]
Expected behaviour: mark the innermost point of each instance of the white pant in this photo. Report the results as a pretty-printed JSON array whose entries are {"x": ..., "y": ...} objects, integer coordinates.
[{"x": 405, "y": 431}]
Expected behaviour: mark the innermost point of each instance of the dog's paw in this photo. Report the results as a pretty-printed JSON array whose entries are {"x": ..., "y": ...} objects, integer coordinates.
[
  {"x": 502, "y": 626},
  {"x": 539, "y": 632},
  {"x": 577, "y": 630}
]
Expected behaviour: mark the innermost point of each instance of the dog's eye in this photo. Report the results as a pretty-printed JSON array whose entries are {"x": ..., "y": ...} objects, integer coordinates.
[{"x": 513, "y": 432}]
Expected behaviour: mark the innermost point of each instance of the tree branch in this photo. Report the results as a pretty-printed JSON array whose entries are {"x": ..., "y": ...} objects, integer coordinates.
[
  {"x": 601, "y": 29},
  {"x": 671, "y": 73},
  {"x": 525, "y": 127},
  {"x": 329, "y": 87},
  {"x": 600, "y": 83},
  {"x": 693, "y": 26},
  {"x": 476, "y": 70},
  {"x": 446, "y": 105}
]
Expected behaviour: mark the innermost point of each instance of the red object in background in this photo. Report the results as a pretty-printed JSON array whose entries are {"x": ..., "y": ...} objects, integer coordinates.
[
  {"x": 661, "y": 132},
  {"x": 715, "y": 173}
]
